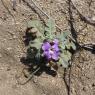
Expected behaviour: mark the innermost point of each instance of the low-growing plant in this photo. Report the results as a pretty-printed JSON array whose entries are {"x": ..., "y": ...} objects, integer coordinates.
[{"x": 49, "y": 45}]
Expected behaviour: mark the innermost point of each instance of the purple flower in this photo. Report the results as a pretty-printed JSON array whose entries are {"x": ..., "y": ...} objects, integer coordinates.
[{"x": 51, "y": 50}]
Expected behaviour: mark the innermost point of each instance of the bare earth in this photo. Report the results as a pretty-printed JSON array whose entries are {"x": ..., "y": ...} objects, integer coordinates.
[{"x": 12, "y": 48}]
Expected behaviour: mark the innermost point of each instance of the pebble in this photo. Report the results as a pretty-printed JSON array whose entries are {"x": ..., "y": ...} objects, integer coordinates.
[
  {"x": 9, "y": 48},
  {"x": 0, "y": 55},
  {"x": 15, "y": 37},
  {"x": 93, "y": 18}
]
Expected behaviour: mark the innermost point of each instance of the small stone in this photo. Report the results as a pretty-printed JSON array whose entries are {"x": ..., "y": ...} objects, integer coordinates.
[
  {"x": 0, "y": 55},
  {"x": 14, "y": 37},
  {"x": 93, "y": 18},
  {"x": 4, "y": 40},
  {"x": 9, "y": 48}
]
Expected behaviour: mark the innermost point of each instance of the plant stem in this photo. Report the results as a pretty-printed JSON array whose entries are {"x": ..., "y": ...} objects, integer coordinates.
[{"x": 30, "y": 77}]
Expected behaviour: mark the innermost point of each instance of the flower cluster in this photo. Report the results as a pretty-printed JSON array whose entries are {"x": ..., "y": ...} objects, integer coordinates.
[{"x": 51, "y": 50}]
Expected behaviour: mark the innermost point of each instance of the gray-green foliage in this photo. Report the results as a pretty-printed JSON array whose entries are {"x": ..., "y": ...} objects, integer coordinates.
[
  {"x": 65, "y": 57},
  {"x": 48, "y": 32},
  {"x": 35, "y": 44},
  {"x": 36, "y": 24},
  {"x": 50, "y": 29},
  {"x": 66, "y": 44}
]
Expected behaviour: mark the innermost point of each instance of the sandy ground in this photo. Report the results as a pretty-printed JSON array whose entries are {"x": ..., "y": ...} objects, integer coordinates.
[{"x": 12, "y": 48}]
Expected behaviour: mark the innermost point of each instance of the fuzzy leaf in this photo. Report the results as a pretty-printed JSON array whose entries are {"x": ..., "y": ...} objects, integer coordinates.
[
  {"x": 64, "y": 63},
  {"x": 66, "y": 34},
  {"x": 36, "y": 24},
  {"x": 36, "y": 43},
  {"x": 73, "y": 46},
  {"x": 34, "y": 49},
  {"x": 63, "y": 35},
  {"x": 70, "y": 45},
  {"x": 50, "y": 28},
  {"x": 63, "y": 44},
  {"x": 65, "y": 58}
]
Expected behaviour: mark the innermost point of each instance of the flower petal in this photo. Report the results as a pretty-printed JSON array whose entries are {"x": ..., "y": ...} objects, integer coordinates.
[
  {"x": 55, "y": 47},
  {"x": 55, "y": 41},
  {"x": 47, "y": 54},
  {"x": 55, "y": 56},
  {"x": 46, "y": 46}
]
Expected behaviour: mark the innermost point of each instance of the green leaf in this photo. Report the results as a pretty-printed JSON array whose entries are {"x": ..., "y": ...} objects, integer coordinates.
[
  {"x": 63, "y": 44},
  {"x": 36, "y": 43},
  {"x": 65, "y": 58},
  {"x": 64, "y": 63},
  {"x": 36, "y": 24},
  {"x": 64, "y": 39},
  {"x": 66, "y": 34},
  {"x": 63, "y": 35},
  {"x": 50, "y": 28},
  {"x": 66, "y": 55},
  {"x": 34, "y": 49},
  {"x": 68, "y": 45},
  {"x": 71, "y": 45}
]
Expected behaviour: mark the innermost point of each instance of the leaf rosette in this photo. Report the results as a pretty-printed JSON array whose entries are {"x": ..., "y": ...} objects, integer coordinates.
[{"x": 49, "y": 44}]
